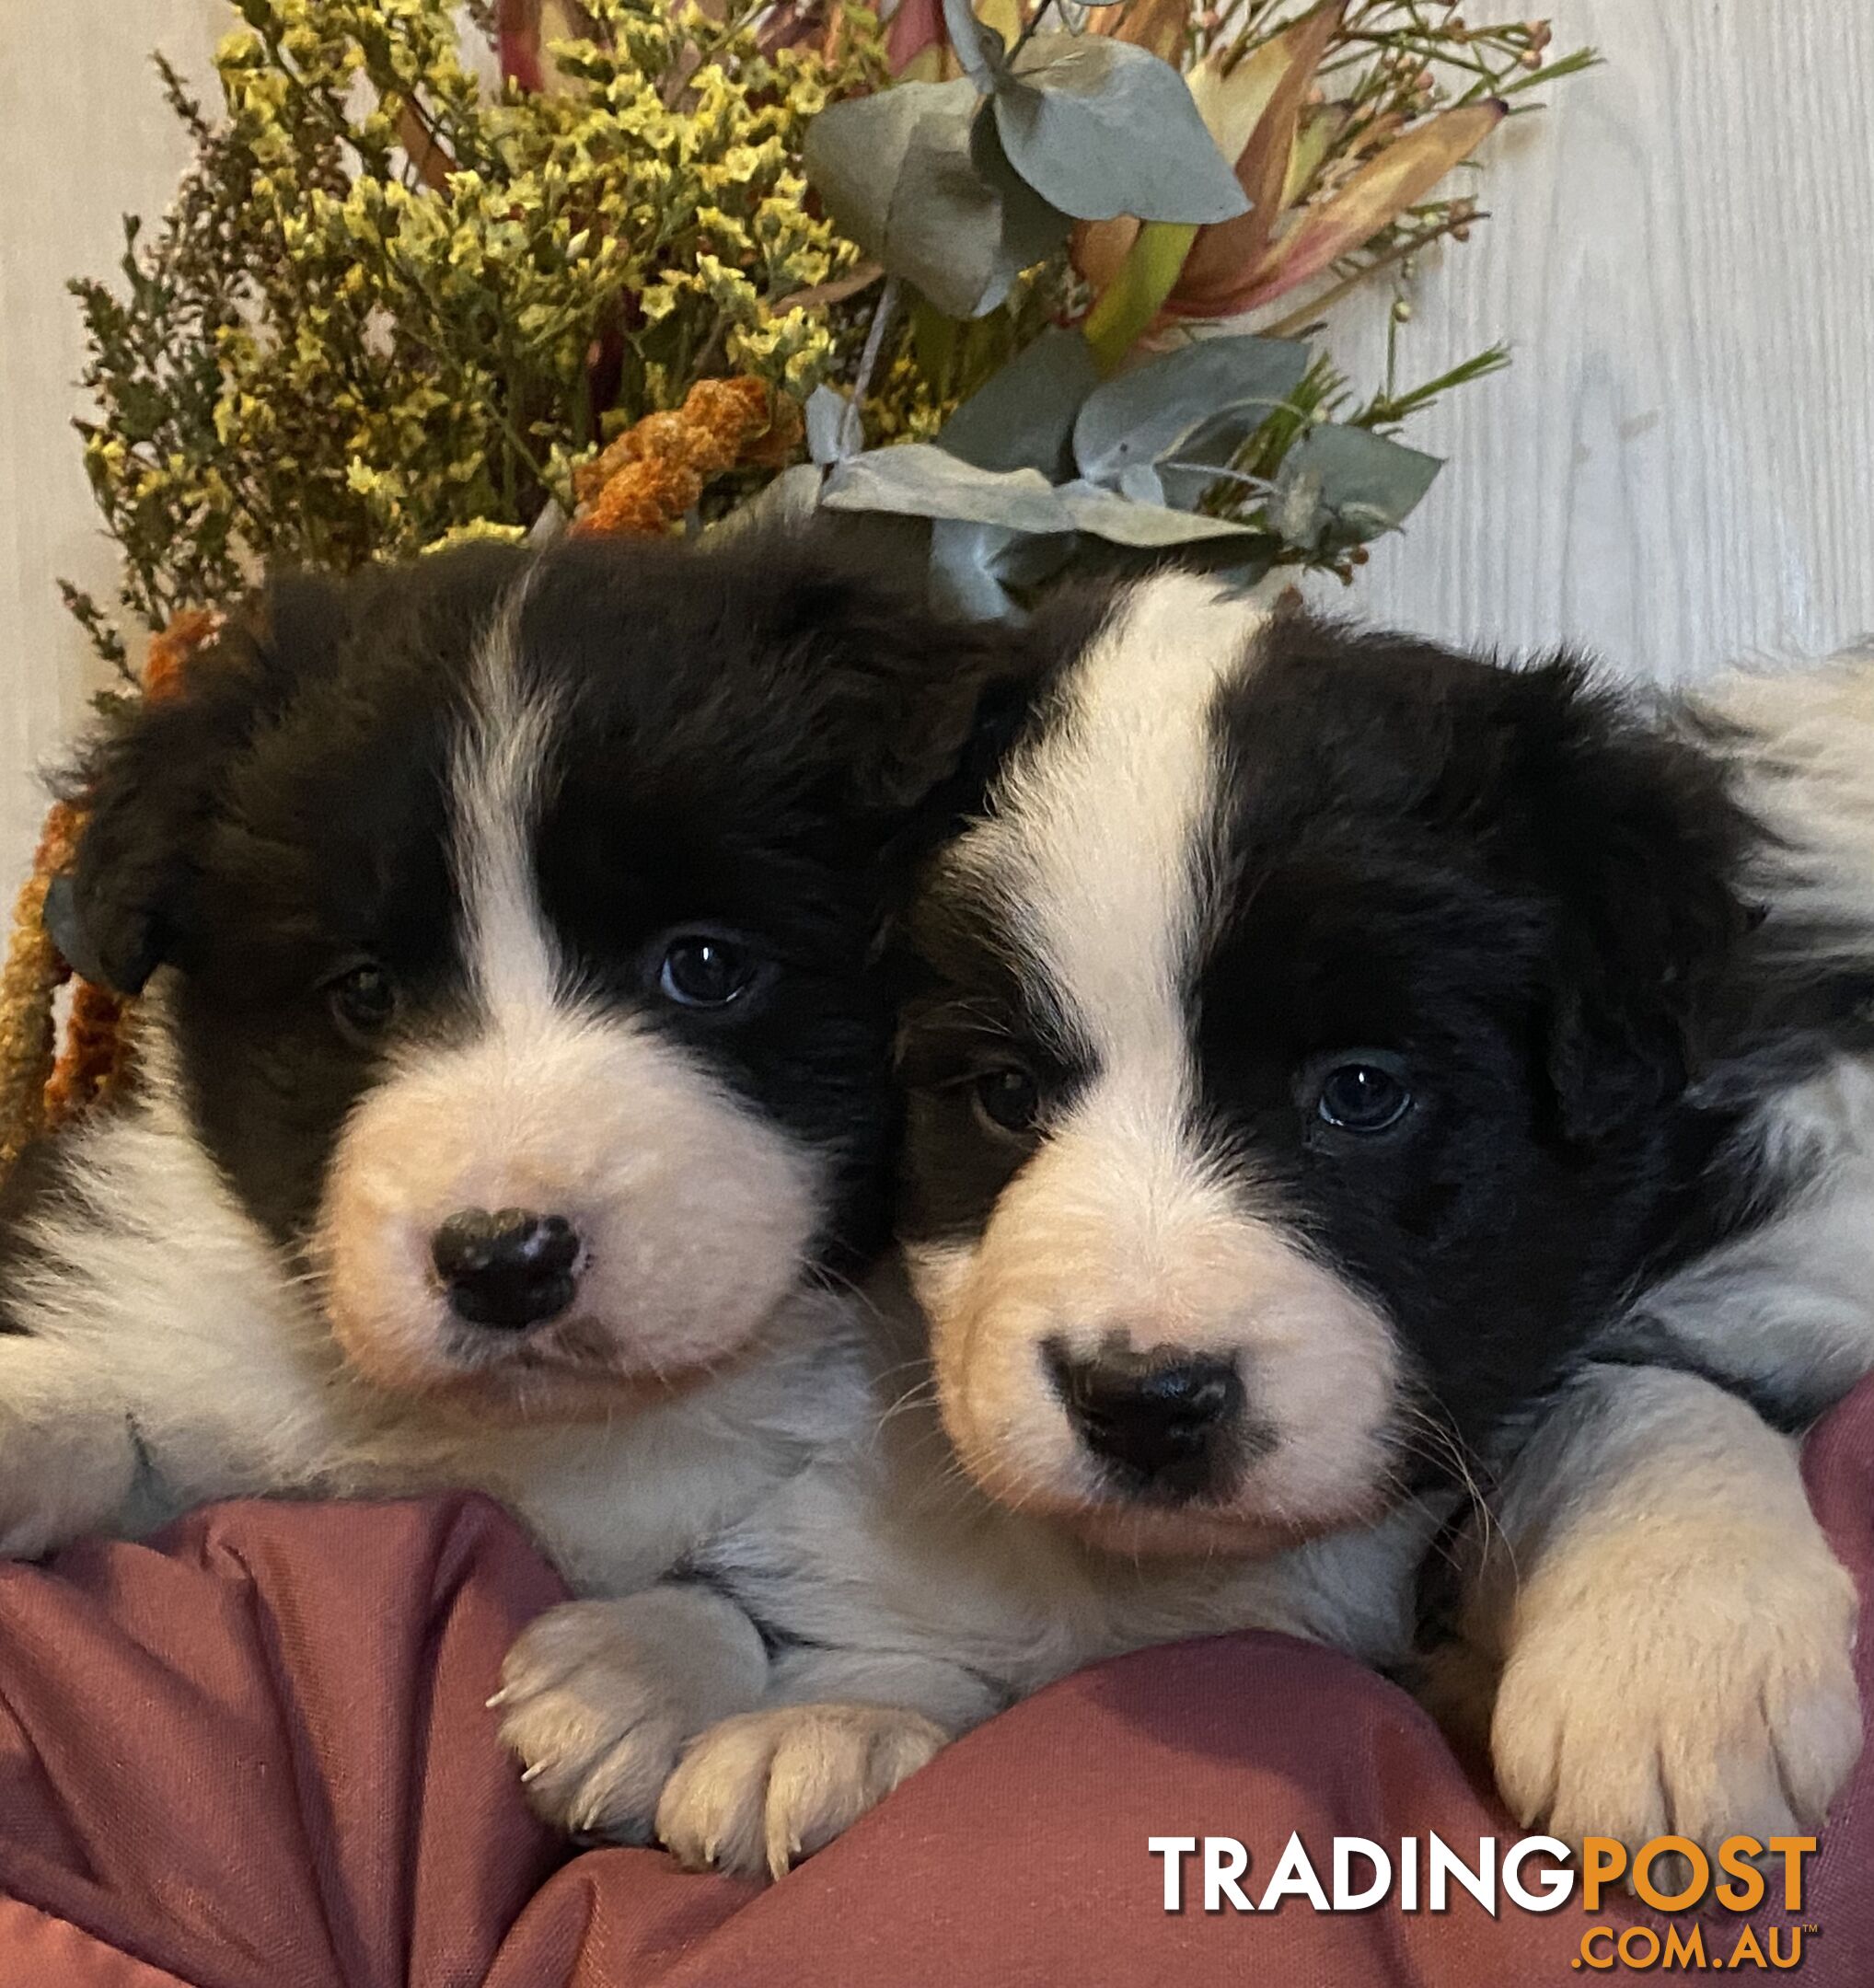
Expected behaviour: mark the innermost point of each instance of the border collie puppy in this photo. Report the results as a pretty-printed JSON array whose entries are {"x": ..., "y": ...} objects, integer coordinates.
[
  {"x": 1664, "y": 1582},
  {"x": 1326, "y": 1040},
  {"x": 512, "y": 1083}
]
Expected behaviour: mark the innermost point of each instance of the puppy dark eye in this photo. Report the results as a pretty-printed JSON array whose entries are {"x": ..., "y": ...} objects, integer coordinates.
[
  {"x": 699, "y": 970},
  {"x": 1363, "y": 1093},
  {"x": 362, "y": 1000},
  {"x": 1008, "y": 1098}
]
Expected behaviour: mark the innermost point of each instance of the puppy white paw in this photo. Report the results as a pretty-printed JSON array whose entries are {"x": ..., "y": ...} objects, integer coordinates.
[
  {"x": 69, "y": 1475},
  {"x": 1708, "y": 1698},
  {"x": 596, "y": 1731},
  {"x": 759, "y": 1792}
]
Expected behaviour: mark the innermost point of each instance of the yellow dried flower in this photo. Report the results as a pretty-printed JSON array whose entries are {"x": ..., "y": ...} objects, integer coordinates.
[
  {"x": 476, "y": 530},
  {"x": 393, "y": 303}
]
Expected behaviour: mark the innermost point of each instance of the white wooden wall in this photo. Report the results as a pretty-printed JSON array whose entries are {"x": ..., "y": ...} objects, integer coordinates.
[
  {"x": 85, "y": 137},
  {"x": 1677, "y": 470}
]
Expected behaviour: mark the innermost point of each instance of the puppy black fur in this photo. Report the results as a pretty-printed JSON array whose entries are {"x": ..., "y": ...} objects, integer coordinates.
[
  {"x": 754, "y": 739},
  {"x": 1524, "y": 884}
]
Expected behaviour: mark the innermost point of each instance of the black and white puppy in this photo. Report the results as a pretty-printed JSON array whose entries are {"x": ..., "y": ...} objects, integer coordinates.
[
  {"x": 1352, "y": 1056},
  {"x": 512, "y": 1089},
  {"x": 1664, "y": 1584},
  {"x": 1336, "y": 1055}
]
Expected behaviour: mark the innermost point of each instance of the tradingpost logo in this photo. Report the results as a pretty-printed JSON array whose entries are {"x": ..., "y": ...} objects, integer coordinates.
[{"x": 1534, "y": 1874}]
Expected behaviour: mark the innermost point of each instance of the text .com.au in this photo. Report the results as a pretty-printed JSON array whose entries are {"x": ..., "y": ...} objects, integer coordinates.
[{"x": 1534, "y": 1874}]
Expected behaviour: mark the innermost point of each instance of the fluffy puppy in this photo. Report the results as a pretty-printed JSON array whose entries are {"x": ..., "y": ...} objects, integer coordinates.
[
  {"x": 1324, "y": 1040},
  {"x": 1674, "y": 1593},
  {"x": 512, "y": 1091},
  {"x": 1309, "y": 1054},
  {"x": 1337, "y": 1034}
]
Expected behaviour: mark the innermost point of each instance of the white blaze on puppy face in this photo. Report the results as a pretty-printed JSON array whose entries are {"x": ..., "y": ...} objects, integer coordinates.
[
  {"x": 695, "y": 1214},
  {"x": 1122, "y": 1230}
]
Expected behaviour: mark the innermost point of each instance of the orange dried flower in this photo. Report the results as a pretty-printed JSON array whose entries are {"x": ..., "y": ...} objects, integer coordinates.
[
  {"x": 31, "y": 978},
  {"x": 652, "y": 473},
  {"x": 188, "y": 628},
  {"x": 42, "y": 1084},
  {"x": 95, "y": 1054}
]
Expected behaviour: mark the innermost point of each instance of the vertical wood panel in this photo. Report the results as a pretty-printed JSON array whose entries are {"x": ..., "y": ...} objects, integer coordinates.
[
  {"x": 85, "y": 137},
  {"x": 1678, "y": 469}
]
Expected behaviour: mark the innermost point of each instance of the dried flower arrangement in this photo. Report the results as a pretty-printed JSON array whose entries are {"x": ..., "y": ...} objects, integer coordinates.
[
  {"x": 392, "y": 299},
  {"x": 618, "y": 264},
  {"x": 415, "y": 283},
  {"x": 1154, "y": 418}
]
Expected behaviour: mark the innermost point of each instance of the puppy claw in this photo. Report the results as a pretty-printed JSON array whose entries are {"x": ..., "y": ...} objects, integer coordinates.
[
  {"x": 757, "y": 1793},
  {"x": 595, "y": 1731}
]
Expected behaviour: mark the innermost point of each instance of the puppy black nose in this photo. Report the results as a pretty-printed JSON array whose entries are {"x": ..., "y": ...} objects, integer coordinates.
[
  {"x": 1165, "y": 1421},
  {"x": 509, "y": 1269}
]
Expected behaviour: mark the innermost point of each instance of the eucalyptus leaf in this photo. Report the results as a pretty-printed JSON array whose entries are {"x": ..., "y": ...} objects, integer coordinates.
[
  {"x": 1031, "y": 228},
  {"x": 945, "y": 224},
  {"x": 1024, "y": 416},
  {"x": 826, "y": 415},
  {"x": 1215, "y": 386},
  {"x": 918, "y": 480},
  {"x": 790, "y": 499},
  {"x": 897, "y": 173},
  {"x": 1031, "y": 560},
  {"x": 986, "y": 569},
  {"x": 1141, "y": 483},
  {"x": 977, "y": 46},
  {"x": 1100, "y": 128},
  {"x": 887, "y": 544},
  {"x": 1118, "y": 519},
  {"x": 963, "y": 577},
  {"x": 1339, "y": 487}
]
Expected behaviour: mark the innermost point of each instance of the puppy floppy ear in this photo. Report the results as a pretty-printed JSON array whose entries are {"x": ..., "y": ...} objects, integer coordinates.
[
  {"x": 148, "y": 782},
  {"x": 1651, "y": 855}
]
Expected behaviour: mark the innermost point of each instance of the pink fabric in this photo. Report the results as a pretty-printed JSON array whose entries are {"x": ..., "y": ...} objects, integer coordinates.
[{"x": 254, "y": 1753}]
